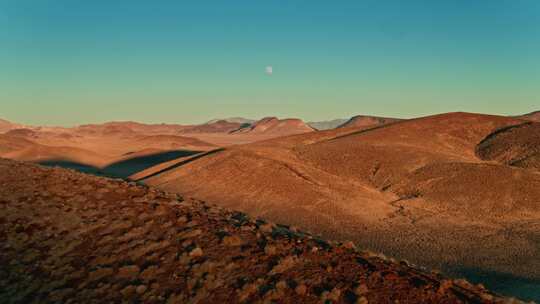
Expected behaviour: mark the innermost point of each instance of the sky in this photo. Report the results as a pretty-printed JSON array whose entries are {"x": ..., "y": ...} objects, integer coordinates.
[{"x": 68, "y": 62}]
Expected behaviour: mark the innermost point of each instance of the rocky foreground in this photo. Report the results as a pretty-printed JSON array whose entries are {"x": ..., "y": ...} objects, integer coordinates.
[{"x": 74, "y": 238}]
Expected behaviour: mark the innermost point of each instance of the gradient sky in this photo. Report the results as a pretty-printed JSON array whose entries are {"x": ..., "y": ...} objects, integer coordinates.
[{"x": 66, "y": 62}]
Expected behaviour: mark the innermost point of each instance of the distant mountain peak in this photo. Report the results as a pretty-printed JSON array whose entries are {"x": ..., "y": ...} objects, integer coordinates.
[
  {"x": 274, "y": 125},
  {"x": 367, "y": 120},
  {"x": 328, "y": 124},
  {"x": 240, "y": 120},
  {"x": 532, "y": 116},
  {"x": 8, "y": 125}
]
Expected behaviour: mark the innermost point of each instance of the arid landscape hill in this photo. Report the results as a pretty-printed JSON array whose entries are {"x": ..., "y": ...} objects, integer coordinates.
[
  {"x": 129, "y": 127},
  {"x": 111, "y": 148},
  {"x": 327, "y": 125},
  {"x": 415, "y": 189},
  {"x": 20, "y": 148},
  {"x": 240, "y": 120},
  {"x": 220, "y": 126},
  {"x": 6, "y": 126},
  {"x": 533, "y": 116},
  {"x": 359, "y": 121},
  {"x": 98, "y": 148},
  {"x": 67, "y": 237},
  {"x": 275, "y": 126},
  {"x": 517, "y": 146},
  {"x": 456, "y": 192}
]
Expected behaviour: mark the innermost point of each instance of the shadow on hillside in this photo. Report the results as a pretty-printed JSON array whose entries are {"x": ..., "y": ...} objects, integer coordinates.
[
  {"x": 122, "y": 169},
  {"x": 84, "y": 168},
  {"x": 179, "y": 164},
  {"x": 503, "y": 283},
  {"x": 128, "y": 167}
]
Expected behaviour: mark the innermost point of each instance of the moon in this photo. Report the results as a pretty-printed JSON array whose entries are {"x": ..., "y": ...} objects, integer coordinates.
[{"x": 269, "y": 70}]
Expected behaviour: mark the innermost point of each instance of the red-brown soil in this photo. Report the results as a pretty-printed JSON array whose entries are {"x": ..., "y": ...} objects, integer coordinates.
[
  {"x": 67, "y": 237},
  {"x": 414, "y": 189}
]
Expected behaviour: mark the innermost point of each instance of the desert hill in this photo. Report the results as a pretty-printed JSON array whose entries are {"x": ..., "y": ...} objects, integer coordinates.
[
  {"x": 130, "y": 127},
  {"x": 402, "y": 147},
  {"x": 10, "y": 143},
  {"x": 170, "y": 142},
  {"x": 6, "y": 126},
  {"x": 220, "y": 126},
  {"x": 20, "y": 148},
  {"x": 366, "y": 121},
  {"x": 415, "y": 189},
  {"x": 69, "y": 237},
  {"x": 116, "y": 149},
  {"x": 273, "y": 125},
  {"x": 4, "y": 122},
  {"x": 21, "y": 132},
  {"x": 533, "y": 116},
  {"x": 327, "y": 125},
  {"x": 240, "y": 120},
  {"x": 113, "y": 139},
  {"x": 517, "y": 145}
]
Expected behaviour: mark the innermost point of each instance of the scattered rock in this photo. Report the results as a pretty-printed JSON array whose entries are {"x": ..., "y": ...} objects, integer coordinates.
[
  {"x": 362, "y": 289},
  {"x": 128, "y": 291},
  {"x": 197, "y": 252},
  {"x": 232, "y": 241},
  {"x": 301, "y": 289},
  {"x": 141, "y": 289},
  {"x": 190, "y": 234},
  {"x": 349, "y": 245},
  {"x": 266, "y": 228},
  {"x": 270, "y": 249},
  {"x": 362, "y": 300},
  {"x": 281, "y": 285},
  {"x": 247, "y": 291},
  {"x": 285, "y": 264},
  {"x": 99, "y": 274},
  {"x": 129, "y": 272}
]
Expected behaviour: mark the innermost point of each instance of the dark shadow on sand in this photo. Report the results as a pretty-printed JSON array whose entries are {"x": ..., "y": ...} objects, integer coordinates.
[
  {"x": 503, "y": 283},
  {"x": 181, "y": 163},
  {"x": 133, "y": 165},
  {"x": 122, "y": 169}
]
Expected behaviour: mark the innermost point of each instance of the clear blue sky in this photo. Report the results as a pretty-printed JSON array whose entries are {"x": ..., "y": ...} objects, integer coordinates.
[{"x": 67, "y": 62}]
